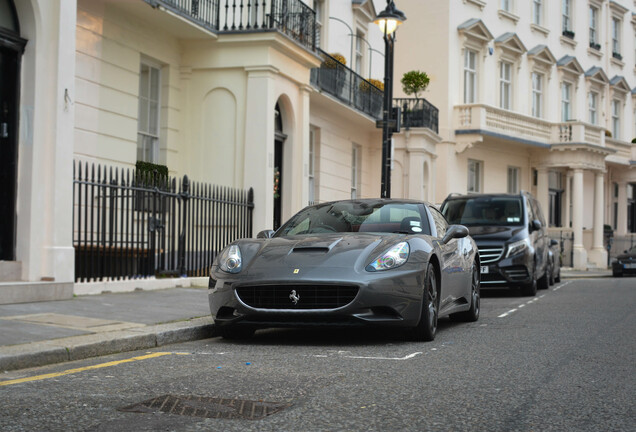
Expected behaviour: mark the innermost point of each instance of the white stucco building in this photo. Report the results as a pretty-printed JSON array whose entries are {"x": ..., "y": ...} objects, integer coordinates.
[{"x": 533, "y": 95}]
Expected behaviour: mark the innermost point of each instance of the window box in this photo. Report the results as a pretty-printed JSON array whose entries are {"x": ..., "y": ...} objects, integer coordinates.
[
  {"x": 595, "y": 46},
  {"x": 617, "y": 56},
  {"x": 568, "y": 34}
]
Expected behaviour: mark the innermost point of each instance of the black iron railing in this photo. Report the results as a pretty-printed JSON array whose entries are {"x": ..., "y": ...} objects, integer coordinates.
[
  {"x": 338, "y": 80},
  {"x": 418, "y": 113},
  {"x": 129, "y": 224},
  {"x": 291, "y": 17}
]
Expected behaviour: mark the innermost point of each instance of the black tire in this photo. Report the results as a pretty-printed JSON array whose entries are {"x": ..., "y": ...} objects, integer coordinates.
[
  {"x": 530, "y": 290},
  {"x": 472, "y": 314},
  {"x": 236, "y": 332},
  {"x": 617, "y": 274},
  {"x": 557, "y": 279},
  {"x": 544, "y": 282},
  {"x": 426, "y": 329},
  {"x": 551, "y": 279}
]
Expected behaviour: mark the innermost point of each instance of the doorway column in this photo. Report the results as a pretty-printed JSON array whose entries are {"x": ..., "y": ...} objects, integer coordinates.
[
  {"x": 580, "y": 254},
  {"x": 621, "y": 219},
  {"x": 598, "y": 254},
  {"x": 568, "y": 199},
  {"x": 543, "y": 193}
]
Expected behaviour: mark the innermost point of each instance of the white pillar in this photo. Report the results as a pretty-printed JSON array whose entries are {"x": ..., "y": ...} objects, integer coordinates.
[
  {"x": 568, "y": 199},
  {"x": 259, "y": 144},
  {"x": 543, "y": 194},
  {"x": 621, "y": 220},
  {"x": 580, "y": 254},
  {"x": 598, "y": 254}
]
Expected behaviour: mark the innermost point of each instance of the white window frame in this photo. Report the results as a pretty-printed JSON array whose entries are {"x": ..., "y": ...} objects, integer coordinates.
[
  {"x": 566, "y": 101},
  {"x": 355, "y": 171},
  {"x": 593, "y": 24},
  {"x": 505, "y": 85},
  {"x": 537, "y": 12},
  {"x": 148, "y": 136},
  {"x": 616, "y": 118},
  {"x": 592, "y": 104},
  {"x": 537, "y": 94},
  {"x": 616, "y": 35},
  {"x": 506, "y": 5},
  {"x": 319, "y": 8},
  {"x": 566, "y": 14},
  {"x": 359, "y": 53},
  {"x": 513, "y": 179},
  {"x": 475, "y": 175},
  {"x": 470, "y": 75}
]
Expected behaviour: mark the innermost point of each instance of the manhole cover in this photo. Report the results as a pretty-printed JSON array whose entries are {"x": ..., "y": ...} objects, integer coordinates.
[{"x": 199, "y": 406}]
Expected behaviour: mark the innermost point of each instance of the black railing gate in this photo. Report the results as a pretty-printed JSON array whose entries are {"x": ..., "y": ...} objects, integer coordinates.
[{"x": 129, "y": 224}]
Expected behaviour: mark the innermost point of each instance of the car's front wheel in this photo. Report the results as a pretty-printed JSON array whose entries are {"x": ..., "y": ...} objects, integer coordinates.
[
  {"x": 530, "y": 289},
  {"x": 471, "y": 314},
  {"x": 426, "y": 328}
]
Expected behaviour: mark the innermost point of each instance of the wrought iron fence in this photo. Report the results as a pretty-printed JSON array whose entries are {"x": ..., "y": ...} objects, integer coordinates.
[
  {"x": 418, "y": 113},
  {"x": 128, "y": 224},
  {"x": 338, "y": 80},
  {"x": 291, "y": 17}
]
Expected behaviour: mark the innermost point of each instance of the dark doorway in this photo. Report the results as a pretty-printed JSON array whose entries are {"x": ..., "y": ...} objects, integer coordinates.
[
  {"x": 278, "y": 168},
  {"x": 11, "y": 49}
]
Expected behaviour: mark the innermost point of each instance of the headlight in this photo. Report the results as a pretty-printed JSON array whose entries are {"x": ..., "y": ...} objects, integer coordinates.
[
  {"x": 394, "y": 257},
  {"x": 230, "y": 260},
  {"x": 518, "y": 247}
]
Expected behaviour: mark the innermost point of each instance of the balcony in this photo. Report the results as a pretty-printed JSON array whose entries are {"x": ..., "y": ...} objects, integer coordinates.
[
  {"x": 290, "y": 17},
  {"x": 488, "y": 120},
  {"x": 338, "y": 80},
  {"x": 418, "y": 113}
]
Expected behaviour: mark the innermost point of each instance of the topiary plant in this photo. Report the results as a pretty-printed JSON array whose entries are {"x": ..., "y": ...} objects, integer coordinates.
[{"x": 414, "y": 82}]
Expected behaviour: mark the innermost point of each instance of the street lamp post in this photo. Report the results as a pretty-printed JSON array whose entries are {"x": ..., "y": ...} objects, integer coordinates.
[{"x": 388, "y": 20}]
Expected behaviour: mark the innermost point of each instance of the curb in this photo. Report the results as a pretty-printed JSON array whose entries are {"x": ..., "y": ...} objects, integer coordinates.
[{"x": 42, "y": 353}]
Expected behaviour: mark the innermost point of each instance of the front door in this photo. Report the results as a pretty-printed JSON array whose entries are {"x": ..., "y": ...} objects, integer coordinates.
[{"x": 10, "y": 55}]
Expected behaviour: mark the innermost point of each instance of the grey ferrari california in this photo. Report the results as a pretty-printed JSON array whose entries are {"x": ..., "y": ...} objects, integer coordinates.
[{"x": 381, "y": 262}]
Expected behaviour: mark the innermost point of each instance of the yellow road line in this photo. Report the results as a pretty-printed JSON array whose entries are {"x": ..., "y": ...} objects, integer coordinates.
[{"x": 72, "y": 371}]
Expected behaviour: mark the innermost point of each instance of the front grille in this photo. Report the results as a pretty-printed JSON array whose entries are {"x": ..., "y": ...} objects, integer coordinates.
[
  {"x": 517, "y": 273},
  {"x": 307, "y": 296},
  {"x": 489, "y": 254}
]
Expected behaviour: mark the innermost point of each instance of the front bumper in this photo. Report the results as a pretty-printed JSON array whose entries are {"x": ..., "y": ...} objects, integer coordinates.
[
  {"x": 388, "y": 298},
  {"x": 628, "y": 267},
  {"x": 508, "y": 272}
]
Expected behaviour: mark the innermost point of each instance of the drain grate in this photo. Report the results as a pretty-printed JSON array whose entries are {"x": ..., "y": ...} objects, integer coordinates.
[{"x": 200, "y": 406}]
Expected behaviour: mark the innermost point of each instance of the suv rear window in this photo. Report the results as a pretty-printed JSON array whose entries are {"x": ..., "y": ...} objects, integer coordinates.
[{"x": 484, "y": 211}]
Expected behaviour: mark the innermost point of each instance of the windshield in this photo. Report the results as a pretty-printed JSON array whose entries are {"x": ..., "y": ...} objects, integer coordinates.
[
  {"x": 471, "y": 211},
  {"x": 357, "y": 216}
]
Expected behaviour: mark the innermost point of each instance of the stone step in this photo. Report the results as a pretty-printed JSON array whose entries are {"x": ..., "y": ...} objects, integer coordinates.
[
  {"x": 10, "y": 271},
  {"x": 27, "y": 292}
]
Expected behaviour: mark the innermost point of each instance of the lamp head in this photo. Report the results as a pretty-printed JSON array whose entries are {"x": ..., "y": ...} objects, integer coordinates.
[{"x": 389, "y": 18}]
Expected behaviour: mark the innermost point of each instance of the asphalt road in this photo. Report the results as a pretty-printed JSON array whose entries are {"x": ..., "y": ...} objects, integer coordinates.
[{"x": 562, "y": 361}]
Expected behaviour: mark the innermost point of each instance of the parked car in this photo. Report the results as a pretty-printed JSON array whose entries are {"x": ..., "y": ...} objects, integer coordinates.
[
  {"x": 554, "y": 258},
  {"x": 373, "y": 262},
  {"x": 510, "y": 232},
  {"x": 625, "y": 263}
]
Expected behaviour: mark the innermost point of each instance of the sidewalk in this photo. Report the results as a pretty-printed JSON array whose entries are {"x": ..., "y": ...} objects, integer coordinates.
[{"x": 36, "y": 334}]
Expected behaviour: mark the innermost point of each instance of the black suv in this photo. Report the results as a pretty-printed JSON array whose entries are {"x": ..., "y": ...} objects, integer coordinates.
[{"x": 510, "y": 232}]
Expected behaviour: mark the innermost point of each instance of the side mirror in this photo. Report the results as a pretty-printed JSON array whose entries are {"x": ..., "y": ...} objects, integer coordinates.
[
  {"x": 455, "y": 231},
  {"x": 535, "y": 225},
  {"x": 553, "y": 242},
  {"x": 265, "y": 234}
]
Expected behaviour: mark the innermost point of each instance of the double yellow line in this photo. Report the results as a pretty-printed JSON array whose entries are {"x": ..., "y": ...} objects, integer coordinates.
[{"x": 82, "y": 369}]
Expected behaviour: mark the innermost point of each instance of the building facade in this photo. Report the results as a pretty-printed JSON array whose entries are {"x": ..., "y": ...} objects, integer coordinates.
[
  {"x": 243, "y": 94},
  {"x": 533, "y": 95}
]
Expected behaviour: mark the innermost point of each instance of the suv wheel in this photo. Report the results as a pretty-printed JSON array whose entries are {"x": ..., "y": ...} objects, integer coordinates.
[
  {"x": 531, "y": 288},
  {"x": 544, "y": 282}
]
